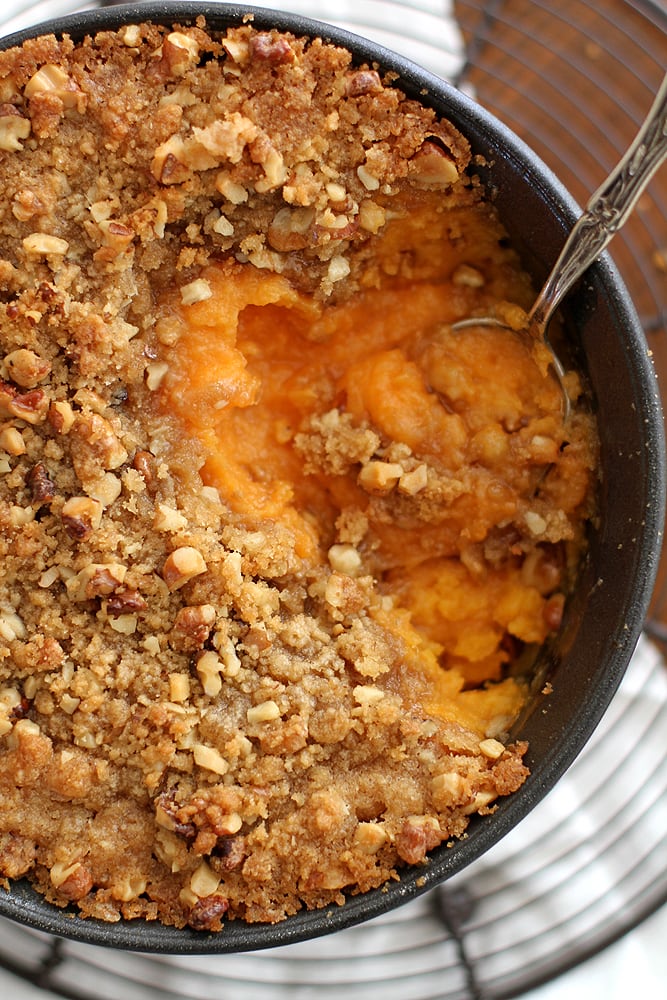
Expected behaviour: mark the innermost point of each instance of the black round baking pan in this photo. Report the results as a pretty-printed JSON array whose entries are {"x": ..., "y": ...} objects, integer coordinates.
[{"x": 585, "y": 662}]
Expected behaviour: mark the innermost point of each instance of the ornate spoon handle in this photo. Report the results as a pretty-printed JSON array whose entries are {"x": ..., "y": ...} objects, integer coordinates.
[{"x": 607, "y": 210}]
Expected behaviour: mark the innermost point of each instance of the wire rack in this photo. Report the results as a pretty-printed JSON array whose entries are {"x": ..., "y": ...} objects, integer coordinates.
[{"x": 574, "y": 79}]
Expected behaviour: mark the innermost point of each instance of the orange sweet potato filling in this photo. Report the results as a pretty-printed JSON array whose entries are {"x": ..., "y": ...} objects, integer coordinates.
[{"x": 257, "y": 361}]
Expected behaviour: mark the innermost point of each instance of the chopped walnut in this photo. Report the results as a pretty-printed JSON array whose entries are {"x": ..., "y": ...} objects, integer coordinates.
[
  {"x": 180, "y": 52},
  {"x": 61, "y": 416},
  {"x": 45, "y": 245},
  {"x": 81, "y": 516},
  {"x": 14, "y": 128},
  {"x": 52, "y": 79},
  {"x": 125, "y": 601},
  {"x": 192, "y": 627},
  {"x": 42, "y": 487},
  {"x": 380, "y": 477},
  {"x": 26, "y": 368},
  {"x": 182, "y": 565},
  {"x": 96, "y": 580},
  {"x": 432, "y": 166}
]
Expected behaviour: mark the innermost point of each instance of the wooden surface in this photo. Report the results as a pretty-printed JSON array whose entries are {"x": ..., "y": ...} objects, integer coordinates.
[{"x": 575, "y": 79}]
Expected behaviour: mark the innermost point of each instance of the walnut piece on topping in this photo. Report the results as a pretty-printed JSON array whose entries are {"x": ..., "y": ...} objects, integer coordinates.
[
  {"x": 52, "y": 79},
  {"x": 182, "y": 565},
  {"x": 26, "y": 368},
  {"x": 14, "y": 128},
  {"x": 42, "y": 487},
  {"x": 180, "y": 52},
  {"x": 45, "y": 245},
  {"x": 432, "y": 166},
  {"x": 380, "y": 477},
  {"x": 61, "y": 416},
  {"x": 192, "y": 627},
  {"x": 95, "y": 580},
  {"x": 271, "y": 48},
  {"x": 291, "y": 229}
]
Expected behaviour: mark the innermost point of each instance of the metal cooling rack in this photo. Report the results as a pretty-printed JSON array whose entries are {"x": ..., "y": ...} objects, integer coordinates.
[{"x": 574, "y": 79}]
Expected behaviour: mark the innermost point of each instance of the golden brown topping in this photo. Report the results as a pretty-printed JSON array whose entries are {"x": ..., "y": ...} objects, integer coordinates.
[
  {"x": 288, "y": 513},
  {"x": 362, "y": 82}
]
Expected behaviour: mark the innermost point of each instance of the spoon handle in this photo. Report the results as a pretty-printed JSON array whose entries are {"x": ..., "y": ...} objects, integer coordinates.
[{"x": 607, "y": 209}]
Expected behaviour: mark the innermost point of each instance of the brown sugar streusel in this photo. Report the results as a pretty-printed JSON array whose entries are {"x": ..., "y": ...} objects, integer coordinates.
[{"x": 273, "y": 537}]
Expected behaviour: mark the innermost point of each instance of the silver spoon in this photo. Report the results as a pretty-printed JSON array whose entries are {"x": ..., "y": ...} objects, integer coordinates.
[{"x": 607, "y": 210}]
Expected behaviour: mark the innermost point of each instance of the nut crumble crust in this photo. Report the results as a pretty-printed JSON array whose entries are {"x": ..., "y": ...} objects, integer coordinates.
[{"x": 196, "y": 724}]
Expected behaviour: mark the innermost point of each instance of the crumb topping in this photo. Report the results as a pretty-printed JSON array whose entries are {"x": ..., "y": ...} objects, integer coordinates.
[{"x": 272, "y": 535}]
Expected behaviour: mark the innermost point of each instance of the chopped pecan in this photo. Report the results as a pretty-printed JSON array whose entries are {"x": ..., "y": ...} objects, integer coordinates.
[
  {"x": 101, "y": 441},
  {"x": 61, "y": 416},
  {"x": 232, "y": 852},
  {"x": 417, "y": 836},
  {"x": 96, "y": 580},
  {"x": 81, "y": 516},
  {"x": 192, "y": 627},
  {"x": 275, "y": 50},
  {"x": 26, "y": 368},
  {"x": 182, "y": 565},
  {"x": 41, "y": 485},
  {"x": 77, "y": 884},
  {"x": 168, "y": 165},
  {"x": 52, "y": 79},
  {"x": 8, "y": 394},
  {"x": 432, "y": 166},
  {"x": 207, "y": 914},
  {"x": 31, "y": 406},
  {"x": 180, "y": 53},
  {"x": 13, "y": 128},
  {"x": 125, "y": 601},
  {"x": 20, "y": 711},
  {"x": 362, "y": 82},
  {"x": 166, "y": 816},
  {"x": 145, "y": 465},
  {"x": 291, "y": 229}
]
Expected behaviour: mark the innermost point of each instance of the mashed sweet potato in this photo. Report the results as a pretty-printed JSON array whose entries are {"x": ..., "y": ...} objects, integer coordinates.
[{"x": 275, "y": 538}]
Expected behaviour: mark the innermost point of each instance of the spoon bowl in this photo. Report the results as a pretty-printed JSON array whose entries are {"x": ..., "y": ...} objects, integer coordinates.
[{"x": 606, "y": 212}]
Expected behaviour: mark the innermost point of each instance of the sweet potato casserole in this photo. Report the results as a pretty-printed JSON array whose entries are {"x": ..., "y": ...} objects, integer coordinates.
[{"x": 274, "y": 537}]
